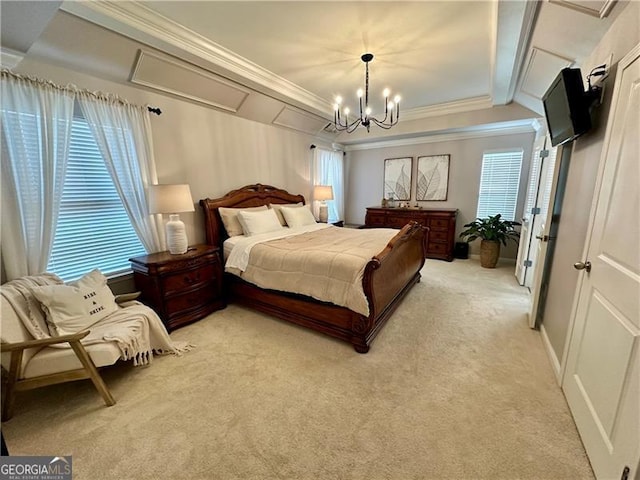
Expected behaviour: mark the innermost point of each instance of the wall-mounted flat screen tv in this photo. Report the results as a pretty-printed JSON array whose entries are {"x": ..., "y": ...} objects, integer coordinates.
[{"x": 567, "y": 107}]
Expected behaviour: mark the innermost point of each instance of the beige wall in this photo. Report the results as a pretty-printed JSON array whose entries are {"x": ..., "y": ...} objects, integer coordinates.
[
  {"x": 623, "y": 35},
  {"x": 366, "y": 170},
  {"x": 213, "y": 152}
]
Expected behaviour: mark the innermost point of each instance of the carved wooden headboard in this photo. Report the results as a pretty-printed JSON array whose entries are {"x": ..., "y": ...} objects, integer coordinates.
[{"x": 247, "y": 196}]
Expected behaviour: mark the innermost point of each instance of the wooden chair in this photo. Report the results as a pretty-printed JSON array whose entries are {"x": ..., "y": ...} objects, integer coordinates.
[
  {"x": 15, "y": 383},
  {"x": 32, "y": 363}
]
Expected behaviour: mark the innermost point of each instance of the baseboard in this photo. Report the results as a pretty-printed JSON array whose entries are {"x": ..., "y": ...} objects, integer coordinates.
[
  {"x": 501, "y": 261},
  {"x": 555, "y": 363}
]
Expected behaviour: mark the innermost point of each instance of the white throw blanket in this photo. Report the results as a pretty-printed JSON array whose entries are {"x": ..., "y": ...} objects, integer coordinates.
[{"x": 135, "y": 328}]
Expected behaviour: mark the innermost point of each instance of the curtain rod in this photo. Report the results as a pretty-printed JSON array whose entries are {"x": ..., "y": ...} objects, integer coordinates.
[{"x": 109, "y": 97}]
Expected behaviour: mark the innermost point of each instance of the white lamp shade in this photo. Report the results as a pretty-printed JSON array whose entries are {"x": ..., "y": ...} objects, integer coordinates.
[
  {"x": 170, "y": 199},
  {"x": 323, "y": 192}
]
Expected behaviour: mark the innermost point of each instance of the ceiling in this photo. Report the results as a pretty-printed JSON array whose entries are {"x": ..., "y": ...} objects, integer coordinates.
[{"x": 478, "y": 62}]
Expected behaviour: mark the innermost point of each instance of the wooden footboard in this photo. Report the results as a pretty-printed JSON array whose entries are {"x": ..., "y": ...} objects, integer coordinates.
[{"x": 387, "y": 278}]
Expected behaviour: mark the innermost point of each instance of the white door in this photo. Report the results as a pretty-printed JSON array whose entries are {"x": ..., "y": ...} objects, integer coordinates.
[
  {"x": 602, "y": 374},
  {"x": 523, "y": 262},
  {"x": 536, "y": 276}
]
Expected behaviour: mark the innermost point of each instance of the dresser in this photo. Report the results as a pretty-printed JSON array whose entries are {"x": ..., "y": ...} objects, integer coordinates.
[
  {"x": 441, "y": 223},
  {"x": 180, "y": 288}
]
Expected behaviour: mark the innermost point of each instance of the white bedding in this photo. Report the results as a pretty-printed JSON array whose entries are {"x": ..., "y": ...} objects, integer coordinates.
[{"x": 237, "y": 249}]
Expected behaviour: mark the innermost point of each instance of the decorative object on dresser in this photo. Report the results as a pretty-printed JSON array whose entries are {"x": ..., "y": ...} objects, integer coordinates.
[
  {"x": 181, "y": 289},
  {"x": 440, "y": 221},
  {"x": 433, "y": 177},
  {"x": 172, "y": 199},
  {"x": 322, "y": 193},
  {"x": 397, "y": 178},
  {"x": 386, "y": 279}
]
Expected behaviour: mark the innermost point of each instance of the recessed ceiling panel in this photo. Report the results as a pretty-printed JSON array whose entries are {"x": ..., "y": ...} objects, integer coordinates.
[
  {"x": 185, "y": 80},
  {"x": 591, "y": 7},
  {"x": 542, "y": 68},
  {"x": 303, "y": 122}
]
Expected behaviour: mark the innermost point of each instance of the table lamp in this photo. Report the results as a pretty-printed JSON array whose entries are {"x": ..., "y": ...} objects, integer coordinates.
[
  {"x": 323, "y": 193},
  {"x": 172, "y": 199}
]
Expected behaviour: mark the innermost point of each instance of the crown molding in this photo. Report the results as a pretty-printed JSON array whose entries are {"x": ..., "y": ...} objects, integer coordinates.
[
  {"x": 489, "y": 130},
  {"x": 139, "y": 22},
  {"x": 10, "y": 58},
  {"x": 457, "y": 106}
]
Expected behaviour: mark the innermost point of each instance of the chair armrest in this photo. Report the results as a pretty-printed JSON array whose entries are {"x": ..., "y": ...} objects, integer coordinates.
[
  {"x": 126, "y": 297},
  {"x": 43, "y": 342}
]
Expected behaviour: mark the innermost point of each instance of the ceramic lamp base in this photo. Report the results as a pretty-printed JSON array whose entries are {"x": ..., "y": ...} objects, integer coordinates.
[
  {"x": 323, "y": 213},
  {"x": 177, "y": 242}
]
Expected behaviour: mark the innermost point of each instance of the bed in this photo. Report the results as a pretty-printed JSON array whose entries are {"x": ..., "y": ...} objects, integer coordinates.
[{"x": 387, "y": 277}]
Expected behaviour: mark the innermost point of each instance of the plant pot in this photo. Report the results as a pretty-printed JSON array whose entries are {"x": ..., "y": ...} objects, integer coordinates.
[{"x": 489, "y": 253}]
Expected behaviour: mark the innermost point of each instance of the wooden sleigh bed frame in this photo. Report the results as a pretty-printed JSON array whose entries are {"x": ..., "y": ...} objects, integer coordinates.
[{"x": 388, "y": 276}]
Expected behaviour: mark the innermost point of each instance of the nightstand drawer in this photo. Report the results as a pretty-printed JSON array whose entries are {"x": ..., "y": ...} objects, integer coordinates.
[
  {"x": 180, "y": 288},
  {"x": 179, "y": 304},
  {"x": 187, "y": 279}
]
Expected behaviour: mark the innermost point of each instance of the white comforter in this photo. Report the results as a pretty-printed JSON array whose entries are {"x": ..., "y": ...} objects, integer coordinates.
[{"x": 325, "y": 263}]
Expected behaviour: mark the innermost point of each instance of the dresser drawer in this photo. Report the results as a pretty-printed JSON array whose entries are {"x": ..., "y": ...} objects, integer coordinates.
[
  {"x": 438, "y": 236},
  {"x": 433, "y": 247},
  {"x": 374, "y": 220},
  {"x": 179, "y": 281},
  {"x": 397, "y": 221},
  {"x": 439, "y": 223}
]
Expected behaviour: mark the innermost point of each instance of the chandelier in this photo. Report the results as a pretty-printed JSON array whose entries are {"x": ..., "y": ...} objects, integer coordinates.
[{"x": 364, "y": 118}]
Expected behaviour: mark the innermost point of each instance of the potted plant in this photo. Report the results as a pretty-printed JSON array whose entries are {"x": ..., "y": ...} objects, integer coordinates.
[{"x": 493, "y": 230}]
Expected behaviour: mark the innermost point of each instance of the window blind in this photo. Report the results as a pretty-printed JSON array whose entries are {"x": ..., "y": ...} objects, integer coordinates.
[
  {"x": 93, "y": 229},
  {"x": 499, "y": 184}
]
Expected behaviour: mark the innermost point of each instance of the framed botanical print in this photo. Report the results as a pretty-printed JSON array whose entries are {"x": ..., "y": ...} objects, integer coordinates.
[
  {"x": 433, "y": 177},
  {"x": 397, "y": 178}
]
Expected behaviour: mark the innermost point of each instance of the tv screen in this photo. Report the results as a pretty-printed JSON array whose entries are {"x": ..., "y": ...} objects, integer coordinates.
[{"x": 566, "y": 107}]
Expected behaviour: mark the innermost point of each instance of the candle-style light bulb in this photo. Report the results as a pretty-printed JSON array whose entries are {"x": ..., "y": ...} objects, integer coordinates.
[
  {"x": 360, "y": 93},
  {"x": 390, "y": 105},
  {"x": 338, "y": 100},
  {"x": 367, "y": 110},
  {"x": 396, "y": 99},
  {"x": 346, "y": 111},
  {"x": 385, "y": 93}
]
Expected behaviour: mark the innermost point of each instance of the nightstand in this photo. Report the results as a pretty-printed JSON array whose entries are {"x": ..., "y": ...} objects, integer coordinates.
[{"x": 180, "y": 288}]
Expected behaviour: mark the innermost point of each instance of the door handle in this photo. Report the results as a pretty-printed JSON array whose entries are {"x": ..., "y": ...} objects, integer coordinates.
[
  {"x": 543, "y": 238},
  {"x": 582, "y": 266}
]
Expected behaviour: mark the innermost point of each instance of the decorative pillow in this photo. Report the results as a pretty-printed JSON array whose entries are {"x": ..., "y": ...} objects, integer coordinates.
[
  {"x": 230, "y": 221},
  {"x": 78, "y": 305},
  {"x": 254, "y": 223},
  {"x": 277, "y": 207},
  {"x": 298, "y": 217}
]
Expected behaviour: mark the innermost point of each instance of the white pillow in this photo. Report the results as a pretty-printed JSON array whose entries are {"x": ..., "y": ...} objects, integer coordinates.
[
  {"x": 254, "y": 223},
  {"x": 230, "y": 221},
  {"x": 277, "y": 207},
  {"x": 78, "y": 305},
  {"x": 298, "y": 217}
]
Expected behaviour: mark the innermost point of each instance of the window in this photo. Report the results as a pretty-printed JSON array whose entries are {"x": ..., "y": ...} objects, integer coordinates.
[
  {"x": 499, "y": 184},
  {"x": 328, "y": 169},
  {"x": 93, "y": 229}
]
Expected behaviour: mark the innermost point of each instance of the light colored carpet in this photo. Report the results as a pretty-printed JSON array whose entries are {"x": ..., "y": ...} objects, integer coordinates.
[{"x": 456, "y": 386}]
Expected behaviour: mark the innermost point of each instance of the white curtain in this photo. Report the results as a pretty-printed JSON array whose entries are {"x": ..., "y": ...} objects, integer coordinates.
[
  {"x": 36, "y": 122},
  {"x": 328, "y": 169},
  {"x": 123, "y": 133}
]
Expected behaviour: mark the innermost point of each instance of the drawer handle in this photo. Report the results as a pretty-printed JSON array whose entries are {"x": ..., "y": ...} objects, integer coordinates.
[{"x": 189, "y": 280}]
